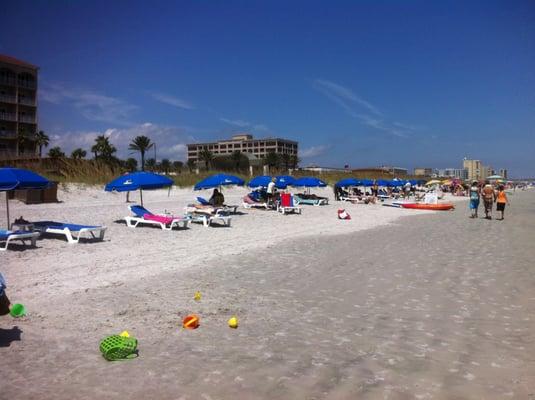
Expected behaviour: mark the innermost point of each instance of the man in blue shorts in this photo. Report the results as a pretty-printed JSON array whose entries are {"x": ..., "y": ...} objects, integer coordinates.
[{"x": 474, "y": 198}]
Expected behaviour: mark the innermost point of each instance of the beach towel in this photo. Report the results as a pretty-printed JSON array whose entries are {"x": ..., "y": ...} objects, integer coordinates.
[{"x": 164, "y": 219}]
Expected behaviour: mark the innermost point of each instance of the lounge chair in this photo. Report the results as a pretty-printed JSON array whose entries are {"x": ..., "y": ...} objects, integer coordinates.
[
  {"x": 144, "y": 216},
  {"x": 72, "y": 232},
  {"x": 208, "y": 215},
  {"x": 311, "y": 199},
  {"x": 286, "y": 205},
  {"x": 8, "y": 236},
  {"x": 231, "y": 209},
  {"x": 248, "y": 203}
]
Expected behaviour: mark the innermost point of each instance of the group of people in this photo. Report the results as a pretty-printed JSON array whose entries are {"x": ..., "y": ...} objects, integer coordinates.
[{"x": 490, "y": 196}]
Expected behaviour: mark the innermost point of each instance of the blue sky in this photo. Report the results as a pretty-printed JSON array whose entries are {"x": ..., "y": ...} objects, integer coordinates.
[{"x": 364, "y": 83}]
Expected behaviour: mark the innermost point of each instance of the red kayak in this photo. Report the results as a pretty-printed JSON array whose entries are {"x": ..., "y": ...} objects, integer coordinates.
[{"x": 434, "y": 207}]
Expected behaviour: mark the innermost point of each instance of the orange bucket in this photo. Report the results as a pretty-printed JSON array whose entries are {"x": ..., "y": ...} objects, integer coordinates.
[{"x": 190, "y": 322}]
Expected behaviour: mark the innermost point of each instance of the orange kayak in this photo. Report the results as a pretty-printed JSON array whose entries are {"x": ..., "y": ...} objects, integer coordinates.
[{"x": 435, "y": 207}]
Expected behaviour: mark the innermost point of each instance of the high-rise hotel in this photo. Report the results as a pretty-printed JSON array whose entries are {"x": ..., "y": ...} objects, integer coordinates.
[{"x": 18, "y": 107}]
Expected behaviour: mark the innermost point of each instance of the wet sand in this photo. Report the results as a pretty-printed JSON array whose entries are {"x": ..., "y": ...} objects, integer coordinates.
[{"x": 434, "y": 306}]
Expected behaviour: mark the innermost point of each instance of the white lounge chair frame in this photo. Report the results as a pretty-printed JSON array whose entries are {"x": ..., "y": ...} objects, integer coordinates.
[
  {"x": 22, "y": 236},
  {"x": 313, "y": 202},
  {"x": 255, "y": 205},
  {"x": 133, "y": 222},
  {"x": 73, "y": 237}
]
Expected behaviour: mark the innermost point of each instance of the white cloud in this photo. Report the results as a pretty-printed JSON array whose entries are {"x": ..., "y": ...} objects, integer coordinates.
[
  {"x": 92, "y": 105},
  {"x": 245, "y": 124},
  {"x": 313, "y": 151},
  {"x": 170, "y": 140},
  {"x": 371, "y": 116},
  {"x": 172, "y": 101}
]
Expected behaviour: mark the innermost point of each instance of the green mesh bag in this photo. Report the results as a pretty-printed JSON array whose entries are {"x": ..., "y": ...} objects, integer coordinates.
[{"x": 116, "y": 347}]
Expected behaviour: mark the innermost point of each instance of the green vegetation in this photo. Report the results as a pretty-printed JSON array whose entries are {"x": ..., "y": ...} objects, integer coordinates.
[{"x": 141, "y": 144}]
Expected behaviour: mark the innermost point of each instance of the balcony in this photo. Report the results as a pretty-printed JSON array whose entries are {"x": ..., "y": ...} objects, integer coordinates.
[
  {"x": 26, "y": 101},
  {"x": 8, "y": 134},
  {"x": 6, "y": 98},
  {"x": 8, "y": 116},
  {"x": 28, "y": 119},
  {"x": 4, "y": 80}
]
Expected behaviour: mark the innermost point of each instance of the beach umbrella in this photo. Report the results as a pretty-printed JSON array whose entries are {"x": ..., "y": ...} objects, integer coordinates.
[
  {"x": 259, "y": 181},
  {"x": 218, "y": 180},
  {"x": 284, "y": 180},
  {"x": 396, "y": 183},
  {"x": 309, "y": 181},
  {"x": 16, "y": 178},
  {"x": 138, "y": 181},
  {"x": 494, "y": 177},
  {"x": 433, "y": 182},
  {"x": 366, "y": 182},
  {"x": 383, "y": 182},
  {"x": 347, "y": 182}
]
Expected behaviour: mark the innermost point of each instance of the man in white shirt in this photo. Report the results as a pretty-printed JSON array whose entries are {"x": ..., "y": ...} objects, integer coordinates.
[{"x": 271, "y": 190}]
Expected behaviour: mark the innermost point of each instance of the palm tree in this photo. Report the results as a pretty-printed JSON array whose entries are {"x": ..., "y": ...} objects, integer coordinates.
[
  {"x": 206, "y": 156},
  {"x": 78, "y": 154},
  {"x": 41, "y": 140},
  {"x": 165, "y": 165},
  {"x": 131, "y": 164},
  {"x": 22, "y": 140},
  {"x": 191, "y": 164},
  {"x": 286, "y": 160},
  {"x": 151, "y": 164},
  {"x": 56, "y": 152},
  {"x": 103, "y": 149},
  {"x": 272, "y": 160},
  {"x": 294, "y": 161},
  {"x": 177, "y": 165},
  {"x": 236, "y": 157},
  {"x": 141, "y": 144}
]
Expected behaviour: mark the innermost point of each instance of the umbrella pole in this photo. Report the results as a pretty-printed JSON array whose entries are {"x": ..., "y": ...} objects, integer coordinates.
[
  {"x": 7, "y": 208},
  {"x": 141, "y": 195}
]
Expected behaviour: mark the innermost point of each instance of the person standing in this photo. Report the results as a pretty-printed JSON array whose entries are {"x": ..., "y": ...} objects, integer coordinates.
[
  {"x": 501, "y": 200},
  {"x": 474, "y": 198},
  {"x": 271, "y": 190},
  {"x": 489, "y": 196},
  {"x": 4, "y": 300}
]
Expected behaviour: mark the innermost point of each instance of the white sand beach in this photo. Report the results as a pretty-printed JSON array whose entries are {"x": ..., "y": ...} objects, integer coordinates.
[{"x": 374, "y": 307}]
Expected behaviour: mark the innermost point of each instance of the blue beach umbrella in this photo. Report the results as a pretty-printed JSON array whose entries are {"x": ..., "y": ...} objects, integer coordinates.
[
  {"x": 309, "y": 181},
  {"x": 16, "y": 178},
  {"x": 138, "y": 181},
  {"x": 218, "y": 180},
  {"x": 259, "y": 181},
  {"x": 283, "y": 181},
  {"x": 366, "y": 182},
  {"x": 348, "y": 182},
  {"x": 383, "y": 182}
]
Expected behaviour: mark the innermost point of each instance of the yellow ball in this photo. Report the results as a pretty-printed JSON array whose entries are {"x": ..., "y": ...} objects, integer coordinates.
[{"x": 233, "y": 322}]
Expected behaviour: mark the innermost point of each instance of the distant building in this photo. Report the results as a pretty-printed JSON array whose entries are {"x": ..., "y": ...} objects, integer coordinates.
[
  {"x": 396, "y": 171},
  {"x": 503, "y": 173},
  {"x": 246, "y": 144},
  {"x": 423, "y": 171},
  {"x": 18, "y": 106},
  {"x": 474, "y": 169},
  {"x": 459, "y": 173}
]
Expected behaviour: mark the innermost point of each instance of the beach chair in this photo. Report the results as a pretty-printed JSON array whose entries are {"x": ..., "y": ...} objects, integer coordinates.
[
  {"x": 207, "y": 215},
  {"x": 249, "y": 203},
  {"x": 72, "y": 232},
  {"x": 287, "y": 206},
  {"x": 145, "y": 217},
  {"x": 231, "y": 209},
  {"x": 310, "y": 199},
  {"x": 8, "y": 236}
]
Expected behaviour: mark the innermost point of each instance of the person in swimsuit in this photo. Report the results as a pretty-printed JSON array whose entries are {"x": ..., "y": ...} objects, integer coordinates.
[
  {"x": 501, "y": 200},
  {"x": 474, "y": 198},
  {"x": 488, "y": 198}
]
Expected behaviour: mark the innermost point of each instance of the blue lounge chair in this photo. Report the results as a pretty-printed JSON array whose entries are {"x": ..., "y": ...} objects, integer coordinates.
[
  {"x": 72, "y": 232},
  {"x": 8, "y": 236},
  {"x": 144, "y": 216}
]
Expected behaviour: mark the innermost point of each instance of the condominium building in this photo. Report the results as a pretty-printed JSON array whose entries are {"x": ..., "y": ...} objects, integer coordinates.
[
  {"x": 459, "y": 173},
  {"x": 18, "y": 106},
  {"x": 419, "y": 171},
  {"x": 473, "y": 168},
  {"x": 503, "y": 173},
  {"x": 244, "y": 143}
]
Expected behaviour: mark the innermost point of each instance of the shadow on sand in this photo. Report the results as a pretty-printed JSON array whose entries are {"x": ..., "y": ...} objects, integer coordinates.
[{"x": 9, "y": 335}]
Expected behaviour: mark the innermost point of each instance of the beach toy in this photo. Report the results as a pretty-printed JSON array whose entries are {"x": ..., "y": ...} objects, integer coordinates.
[
  {"x": 125, "y": 334},
  {"x": 233, "y": 322},
  {"x": 342, "y": 214},
  {"x": 117, "y": 347},
  {"x": 17, "y": 310},
  {"x": 197, "y": 296},
  {"x": 190, "y": 322}
]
